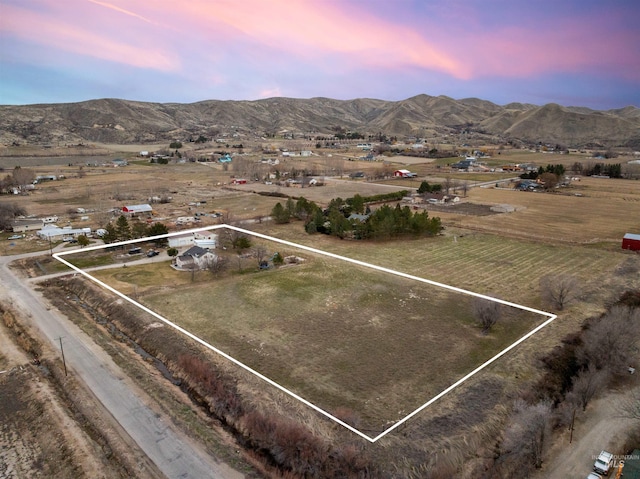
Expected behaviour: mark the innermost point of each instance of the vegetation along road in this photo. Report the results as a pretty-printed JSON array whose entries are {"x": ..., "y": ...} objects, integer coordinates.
[{"x": 172, "y": 452}]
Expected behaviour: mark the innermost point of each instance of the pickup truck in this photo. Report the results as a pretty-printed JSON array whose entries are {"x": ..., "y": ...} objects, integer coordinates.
[{"x": 603, "y": 463}]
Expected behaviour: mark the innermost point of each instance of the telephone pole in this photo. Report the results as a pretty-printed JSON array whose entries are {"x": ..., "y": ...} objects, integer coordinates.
[{"x": 63, "y": 360}]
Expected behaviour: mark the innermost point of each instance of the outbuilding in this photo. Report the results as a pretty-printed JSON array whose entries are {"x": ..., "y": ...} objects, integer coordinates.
[
  {"x": 23, "y": 225},
  {"x": 404, "y": 174},
  {"x": 137, "y": 209},
  {"x": 631, "y": 241}
]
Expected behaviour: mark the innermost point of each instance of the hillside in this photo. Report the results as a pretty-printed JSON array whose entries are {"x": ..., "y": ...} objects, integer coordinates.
[{"x": 131, "y": 122}]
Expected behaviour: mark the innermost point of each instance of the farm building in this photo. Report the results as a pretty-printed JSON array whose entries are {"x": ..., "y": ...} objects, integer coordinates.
[
  {"x": 22, "y": 225},
  {"x": 55, "y": 233},
  {"x": 404, "y": 174},
  {"x": 137, "y": 209},
  {"x": 204, "y": 239},
  {"x": 239, "y": 181},
  {"x": 631, "y": 241}
]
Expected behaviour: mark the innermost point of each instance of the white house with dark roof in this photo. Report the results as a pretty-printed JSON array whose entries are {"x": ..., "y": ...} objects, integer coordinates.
[{"x": 194, "y": 258}]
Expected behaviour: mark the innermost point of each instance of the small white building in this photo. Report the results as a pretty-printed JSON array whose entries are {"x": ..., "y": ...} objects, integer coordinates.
[{"x": 204, "y": 239}]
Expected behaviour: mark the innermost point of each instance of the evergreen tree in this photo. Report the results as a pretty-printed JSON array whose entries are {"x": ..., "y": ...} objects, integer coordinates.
[
  {"x": 111, "y": 235},
  {"x": 123, "y": 230},
  {"x": 279, "y": 214},
  {"x": 159, "y": 229}
]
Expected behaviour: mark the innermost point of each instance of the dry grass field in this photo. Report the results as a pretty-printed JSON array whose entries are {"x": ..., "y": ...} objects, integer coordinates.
[
  {"x": 339, "y": 335},
  {"x": 592, "y": 210},
  {"x": 575, "y": 231}
]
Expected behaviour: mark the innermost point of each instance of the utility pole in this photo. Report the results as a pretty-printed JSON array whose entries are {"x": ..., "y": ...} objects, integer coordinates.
[
  {"x": 63, "y": 360},
  {"x": 573, "y": 418}
]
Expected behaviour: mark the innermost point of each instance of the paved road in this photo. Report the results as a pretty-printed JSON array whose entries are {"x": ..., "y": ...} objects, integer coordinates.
[{"x": 169, "y": 449}]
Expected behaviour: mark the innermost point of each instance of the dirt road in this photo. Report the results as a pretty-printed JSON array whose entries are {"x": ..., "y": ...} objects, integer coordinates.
[
  {"x": 172, "y": 452},
  {"x": 600, "y": 428}
]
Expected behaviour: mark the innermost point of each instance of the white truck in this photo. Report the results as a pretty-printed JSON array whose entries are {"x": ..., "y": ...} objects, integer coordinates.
[{"x": 604, "y": 463}]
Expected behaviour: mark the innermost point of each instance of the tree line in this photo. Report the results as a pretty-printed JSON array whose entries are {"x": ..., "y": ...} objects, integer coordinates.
[
  {"x": 123, "y": 230},
  {"x": 352, "y": 218}
]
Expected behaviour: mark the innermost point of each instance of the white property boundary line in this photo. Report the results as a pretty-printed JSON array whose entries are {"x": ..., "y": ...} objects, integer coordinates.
[{"x": 551, "y": 317}]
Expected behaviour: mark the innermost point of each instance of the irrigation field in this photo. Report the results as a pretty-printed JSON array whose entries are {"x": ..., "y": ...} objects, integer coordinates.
[{"x": 484, "y": 263}]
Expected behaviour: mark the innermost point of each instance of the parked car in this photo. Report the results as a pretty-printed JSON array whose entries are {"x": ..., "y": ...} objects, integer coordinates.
[
  {"x": 152, "y": 253},
  {"x": 603, "y": 463},
  {"x": 593, "y": 475},
  {"x": 12, "y": 237}
]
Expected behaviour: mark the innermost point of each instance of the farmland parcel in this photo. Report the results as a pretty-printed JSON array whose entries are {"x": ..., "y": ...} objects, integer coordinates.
[{"x": 340, "y": 334}]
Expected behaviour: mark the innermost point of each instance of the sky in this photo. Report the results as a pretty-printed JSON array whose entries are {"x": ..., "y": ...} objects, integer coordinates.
[{"x": 570, "y": 52}]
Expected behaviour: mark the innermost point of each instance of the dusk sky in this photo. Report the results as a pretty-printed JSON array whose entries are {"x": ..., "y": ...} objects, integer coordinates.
[{"x": 571, "y": 52}]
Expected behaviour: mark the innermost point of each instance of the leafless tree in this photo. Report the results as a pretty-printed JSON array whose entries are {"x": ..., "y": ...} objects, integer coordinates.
[
  {"x": 486, "y": 312},
  {"x": 528, "y": 433},
  {"x": 216, "y": 264},
  {"x": 226, "y": 218},
  {"x": 260, "y": 253},
  {"x": 559, "y": 290},
  {"x": 465, "y": 188},
  {"x": 23, "y": 176},
  {"x": 447, "y": 185},
  {"x": 549, "y": 180},
  {"x": 193, "y": 267},
  {"x": 8, "y": 212},
  {"x": 586, "y": 385},
  {"x": 612, "y": 340},
  {"x": 629, "y": 407}
]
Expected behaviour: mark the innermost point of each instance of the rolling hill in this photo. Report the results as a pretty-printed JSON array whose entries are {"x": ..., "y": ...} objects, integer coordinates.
[{"x": 132, "y": 122}]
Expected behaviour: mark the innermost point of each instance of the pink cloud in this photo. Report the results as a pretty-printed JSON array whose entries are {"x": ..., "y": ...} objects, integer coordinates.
[
  {"x": 316, "y": 28},
  {"x": 569, "y": 45},
  {"x": 123, "y": 11},
  {"x": 79, "y": 33}
]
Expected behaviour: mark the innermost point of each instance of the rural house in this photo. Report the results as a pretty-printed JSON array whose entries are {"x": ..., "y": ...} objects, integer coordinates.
[
  {"x": 194, "y": 258},
  {"x": 55, "y": 233}
]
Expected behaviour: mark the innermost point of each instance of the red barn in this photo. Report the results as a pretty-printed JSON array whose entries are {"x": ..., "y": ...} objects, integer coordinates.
[{"x": 631, "y": 241}]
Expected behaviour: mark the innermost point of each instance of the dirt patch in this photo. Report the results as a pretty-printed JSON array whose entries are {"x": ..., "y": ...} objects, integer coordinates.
[
  {"x": 468, "y": 209},
  {"x": 39, "y": 435}
]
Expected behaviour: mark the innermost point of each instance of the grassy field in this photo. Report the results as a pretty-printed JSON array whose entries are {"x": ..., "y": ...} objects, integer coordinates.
[{"x": 340, "y": 335}]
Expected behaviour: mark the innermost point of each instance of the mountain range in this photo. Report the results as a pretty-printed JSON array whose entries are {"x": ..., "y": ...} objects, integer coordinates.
[{"x": 132, "y": 122}]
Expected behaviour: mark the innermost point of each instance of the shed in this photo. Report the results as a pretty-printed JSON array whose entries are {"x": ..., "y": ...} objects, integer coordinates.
[
  {"x": 631, "y": 241},
  {"x": 137, "y": 209},
  {"x": 404, "y": 174}
]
